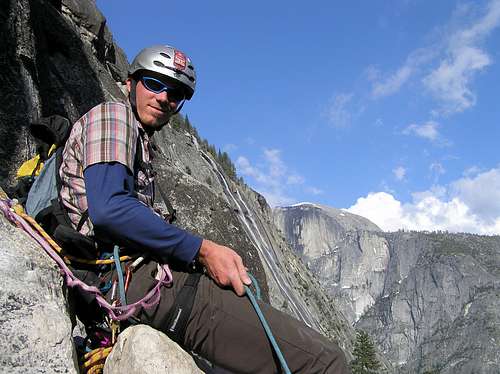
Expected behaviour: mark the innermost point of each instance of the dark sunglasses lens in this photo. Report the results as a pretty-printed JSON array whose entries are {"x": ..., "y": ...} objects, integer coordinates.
[
  {"x": 153, "y": 85},
  {"x": 176, "y": 94}
]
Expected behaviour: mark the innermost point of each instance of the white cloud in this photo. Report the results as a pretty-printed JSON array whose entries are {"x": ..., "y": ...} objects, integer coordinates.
[
  {"x": 295, "y": 179},
  {"x": 472, "y": 171},
  {"x": 399, "y": 173},
  {"x": 427, "y": 131},
  {"x": 466, "y": 205},
  {"x": 338, "y": 113},
  {"x": 450, "y": 81},
  {"x": 245, "y": 168},
  {"x": 276, "y": 166},
  {"x": 272, "y": 177},
  {"x": 448, "y": 67},
  {"x": 481, "y": 193},
  {"x": 392, "y": 83}
]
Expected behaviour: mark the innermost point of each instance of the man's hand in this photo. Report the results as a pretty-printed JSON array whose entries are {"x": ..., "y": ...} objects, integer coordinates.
[{"x": 224, "y": 266}]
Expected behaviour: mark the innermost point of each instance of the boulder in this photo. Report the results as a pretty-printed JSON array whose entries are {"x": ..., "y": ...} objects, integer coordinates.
[{"x": 141, "y": 350}]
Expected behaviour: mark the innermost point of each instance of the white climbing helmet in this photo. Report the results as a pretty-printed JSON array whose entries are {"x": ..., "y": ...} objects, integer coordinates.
[{"x": 168, "y": 61}]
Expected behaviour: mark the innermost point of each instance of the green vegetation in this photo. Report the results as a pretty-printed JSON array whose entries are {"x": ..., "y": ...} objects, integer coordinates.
[
  {"x": 182, "y": 124},
  {"x": 365, "y": 357}
]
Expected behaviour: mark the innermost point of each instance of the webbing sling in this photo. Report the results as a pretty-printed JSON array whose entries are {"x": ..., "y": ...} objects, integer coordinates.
[
  {"x": 177, "y": 318},
  {"x": 139, "y": 163}
]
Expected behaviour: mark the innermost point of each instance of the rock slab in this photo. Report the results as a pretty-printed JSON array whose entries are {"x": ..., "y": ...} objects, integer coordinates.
[
  {"x": 34, "y": 323},
  {"x": 141, "y": 350}
]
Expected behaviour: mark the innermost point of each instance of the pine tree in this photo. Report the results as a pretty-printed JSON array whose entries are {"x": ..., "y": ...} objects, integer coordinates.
[
  {"x": 365, "y": 358},
  {"x": 176, "y": 122}
]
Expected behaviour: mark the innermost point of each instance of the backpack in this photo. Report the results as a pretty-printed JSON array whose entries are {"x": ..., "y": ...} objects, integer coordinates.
[
  {"x": 39, "y": 185},
  {"x": 50, "y": 134}
]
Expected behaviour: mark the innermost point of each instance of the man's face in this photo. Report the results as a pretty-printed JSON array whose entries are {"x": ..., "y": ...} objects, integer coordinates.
[{"x": 154, "y": 109}]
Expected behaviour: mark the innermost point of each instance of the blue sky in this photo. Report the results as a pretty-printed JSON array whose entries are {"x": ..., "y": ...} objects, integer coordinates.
[{"x": 389, "y": 109}]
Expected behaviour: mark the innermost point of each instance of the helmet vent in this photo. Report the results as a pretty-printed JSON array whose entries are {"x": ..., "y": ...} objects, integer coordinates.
[
  {"x": 191, "y": 67},
  {"x": 158, "y": 63},
  {"x": 165, "y": 55}
]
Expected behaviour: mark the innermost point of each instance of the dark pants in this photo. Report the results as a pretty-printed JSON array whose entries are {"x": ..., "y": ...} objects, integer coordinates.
[{"x": 225, "y": 329}]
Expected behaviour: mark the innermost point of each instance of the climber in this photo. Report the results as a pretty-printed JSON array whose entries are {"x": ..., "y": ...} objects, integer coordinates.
[{"x": 107, "y": 192}]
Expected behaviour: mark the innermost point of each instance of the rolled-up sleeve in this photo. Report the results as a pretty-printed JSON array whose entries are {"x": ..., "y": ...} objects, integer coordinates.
[{"x": 109, "y": 136}]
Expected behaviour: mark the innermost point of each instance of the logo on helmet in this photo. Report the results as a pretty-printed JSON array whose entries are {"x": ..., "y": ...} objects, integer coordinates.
[{"x": 180, "y": 60}]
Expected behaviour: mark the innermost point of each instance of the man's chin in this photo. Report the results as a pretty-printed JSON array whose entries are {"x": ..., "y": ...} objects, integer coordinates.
[{"x": 156, "y": 122}]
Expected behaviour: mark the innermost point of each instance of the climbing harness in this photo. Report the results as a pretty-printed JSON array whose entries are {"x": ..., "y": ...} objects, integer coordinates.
[
  {"x": 253, "y": 299},
  {"x": 177, "y": 318}
]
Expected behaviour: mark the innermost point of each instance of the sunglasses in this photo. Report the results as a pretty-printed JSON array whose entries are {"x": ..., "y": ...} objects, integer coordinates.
[{"x": 154, "y": 85}]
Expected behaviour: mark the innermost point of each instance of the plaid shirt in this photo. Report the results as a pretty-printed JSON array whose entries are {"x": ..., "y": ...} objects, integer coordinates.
[{"x": 107, "y": 133}]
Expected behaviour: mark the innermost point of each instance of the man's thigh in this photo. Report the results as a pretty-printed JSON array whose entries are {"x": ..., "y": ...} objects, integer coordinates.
[{"x": 225, "y": 329}]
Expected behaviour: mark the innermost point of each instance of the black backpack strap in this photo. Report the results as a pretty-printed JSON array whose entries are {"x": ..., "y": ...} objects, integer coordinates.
[
  {"x": 176, "y": 320},
  {"x": 139, "y": 162},
  {"x": 83, "y": 219}
]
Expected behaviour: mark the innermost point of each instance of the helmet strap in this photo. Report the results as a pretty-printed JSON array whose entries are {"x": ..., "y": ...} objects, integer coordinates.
[
  {"x": 132, "y": 97},
  {"x": 179, "y": 108}
]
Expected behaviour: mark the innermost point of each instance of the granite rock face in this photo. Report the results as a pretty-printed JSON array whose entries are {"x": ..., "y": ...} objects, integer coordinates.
[
  {"x": 439, "y": 308},
  {"x": 58, "y": 57},
  {"x": 341, "y": 250},
  {"x": 35, "y": 327},
  {"x": 429, "y": 300}
]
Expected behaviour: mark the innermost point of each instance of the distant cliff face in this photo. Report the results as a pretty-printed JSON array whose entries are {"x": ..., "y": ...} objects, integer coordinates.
[
  {"x": 430, "y": 300},
  {"x": 440, "y": 308},
  {"x": 58, "y": 57},
  {"x": 341, "y": 249}
]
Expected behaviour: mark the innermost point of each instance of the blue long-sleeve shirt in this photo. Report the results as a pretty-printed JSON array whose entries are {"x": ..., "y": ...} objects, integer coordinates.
[{"x": 115, "y": 211}]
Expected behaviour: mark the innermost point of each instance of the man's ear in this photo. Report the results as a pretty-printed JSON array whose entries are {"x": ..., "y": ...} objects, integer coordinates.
[{"x": 128, "y": 82}]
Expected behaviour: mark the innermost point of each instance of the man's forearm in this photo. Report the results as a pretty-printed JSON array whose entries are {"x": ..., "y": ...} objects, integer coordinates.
[{"x": 114, "y": 210}]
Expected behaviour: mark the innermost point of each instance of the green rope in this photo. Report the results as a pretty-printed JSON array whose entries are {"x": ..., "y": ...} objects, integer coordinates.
[
  {"x": 253, "y": 300},
  {"x": 119, "y": 271}
]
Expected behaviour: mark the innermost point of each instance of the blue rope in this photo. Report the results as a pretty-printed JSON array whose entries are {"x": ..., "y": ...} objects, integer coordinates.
[
  {"x": 103, "y": 268},
  {"x": 106, "y": 287},
  {"x": 269, "y": 334},
  {"x": 119, "y": 271}
]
